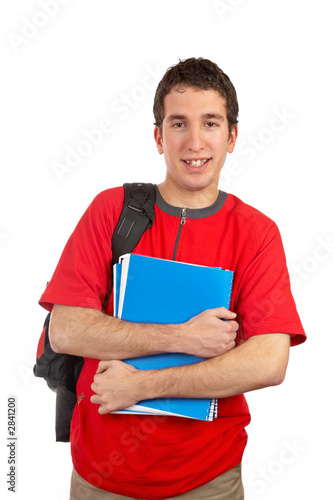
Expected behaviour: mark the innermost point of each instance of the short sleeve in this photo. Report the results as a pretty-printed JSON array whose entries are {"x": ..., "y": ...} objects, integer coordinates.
[
  {"x": 82, "y": 275},
  {"x": 265, "y": 303}
]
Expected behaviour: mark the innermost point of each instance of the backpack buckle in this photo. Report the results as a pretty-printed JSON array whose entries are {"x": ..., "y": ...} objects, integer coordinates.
[{"x": 137, "y": 206}]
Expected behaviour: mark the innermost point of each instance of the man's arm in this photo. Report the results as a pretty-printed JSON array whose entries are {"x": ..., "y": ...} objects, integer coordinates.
[
  {"x": 91, "y": 333},
  {"x": 260, "y": 362}
]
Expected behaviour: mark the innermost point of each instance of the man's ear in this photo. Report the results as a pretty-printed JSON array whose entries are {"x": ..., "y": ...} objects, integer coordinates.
[
  {"x": 158, "y": 140},
  {"x": 232, "y": 138}
]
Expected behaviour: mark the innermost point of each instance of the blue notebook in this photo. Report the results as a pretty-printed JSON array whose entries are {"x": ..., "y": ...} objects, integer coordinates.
[
  {"x": 164, "y": 291},
  {"x": 151, "y": 290}
]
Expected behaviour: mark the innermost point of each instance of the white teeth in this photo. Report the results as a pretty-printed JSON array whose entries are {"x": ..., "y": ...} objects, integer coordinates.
[{"x": 196, "y": 163}]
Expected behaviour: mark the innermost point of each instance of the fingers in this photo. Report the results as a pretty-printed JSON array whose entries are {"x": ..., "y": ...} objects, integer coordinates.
[
  {"x": 96, "y": 385},
  {"x": 99, "y": 397},
  {"x": 230, "y": 346},
  {"x": 103, "y": 410},
  {"x": 103, "y": 366},
  {"x": 223, "y": 313},
  {"x": 230, "y": 326},
  {"x": 95, "y": 399},
  {"x": 94, "y": 388},
  {"x": 114, "y": 364},
  {"x": 229, "y": 323}
]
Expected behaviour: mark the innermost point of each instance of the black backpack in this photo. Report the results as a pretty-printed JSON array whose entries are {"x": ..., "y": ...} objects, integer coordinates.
[{"x": 61, "y": 371}]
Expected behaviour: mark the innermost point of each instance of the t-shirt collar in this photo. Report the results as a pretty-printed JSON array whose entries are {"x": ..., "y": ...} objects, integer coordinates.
[{"x": 191, "y": 213}]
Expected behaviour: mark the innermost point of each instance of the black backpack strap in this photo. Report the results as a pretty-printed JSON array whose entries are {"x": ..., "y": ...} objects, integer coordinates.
[{"x": 136, "y": 217}]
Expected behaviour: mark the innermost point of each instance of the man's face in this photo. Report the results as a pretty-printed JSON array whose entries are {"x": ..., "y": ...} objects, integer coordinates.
[{"x": 195, "y": 140}]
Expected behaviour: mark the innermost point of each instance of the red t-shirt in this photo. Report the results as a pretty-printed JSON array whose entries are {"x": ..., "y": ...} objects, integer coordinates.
[{"x": 156, "y": 457}]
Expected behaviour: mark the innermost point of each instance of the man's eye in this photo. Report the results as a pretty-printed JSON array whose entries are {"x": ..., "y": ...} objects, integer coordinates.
[
  {"x": 178, "y": 125},
  {"x": 211, "y": 124}
]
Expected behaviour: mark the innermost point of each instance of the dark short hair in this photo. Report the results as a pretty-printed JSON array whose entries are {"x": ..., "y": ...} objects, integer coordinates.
[{"x": 201, "y": 73}]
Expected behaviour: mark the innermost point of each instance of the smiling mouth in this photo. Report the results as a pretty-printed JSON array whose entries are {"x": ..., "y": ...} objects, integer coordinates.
[{"x": 196, "y": 163}]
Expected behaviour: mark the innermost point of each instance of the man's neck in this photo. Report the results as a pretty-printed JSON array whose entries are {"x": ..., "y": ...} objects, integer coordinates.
[{"x": 188, "y": 199}]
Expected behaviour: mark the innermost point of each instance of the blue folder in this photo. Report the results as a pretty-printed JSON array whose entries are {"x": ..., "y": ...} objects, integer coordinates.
[{"x": 151, "y": 290}]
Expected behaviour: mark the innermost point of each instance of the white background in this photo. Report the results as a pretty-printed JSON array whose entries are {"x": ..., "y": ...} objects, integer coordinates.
[{"x": 67, "y": 70}]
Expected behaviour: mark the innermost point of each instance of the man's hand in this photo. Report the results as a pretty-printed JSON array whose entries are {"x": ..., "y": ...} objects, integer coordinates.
[
  {"x": 115, "y": 386},
  {"x": 206, "y": 336}
]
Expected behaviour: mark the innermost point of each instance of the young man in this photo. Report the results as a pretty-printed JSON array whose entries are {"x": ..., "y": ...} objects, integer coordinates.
[{"x": 128, "y": 456}]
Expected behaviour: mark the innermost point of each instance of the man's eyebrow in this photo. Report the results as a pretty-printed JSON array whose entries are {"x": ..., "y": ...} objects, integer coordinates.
[
  {"x": 170, "y": 118},
  {"x": 210, "y": 116}
]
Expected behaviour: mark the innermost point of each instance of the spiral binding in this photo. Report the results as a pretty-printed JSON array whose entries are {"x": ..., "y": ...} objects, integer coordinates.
[
  {"x": 212, "y": 411},
  {"x": 232, "y": 281}
]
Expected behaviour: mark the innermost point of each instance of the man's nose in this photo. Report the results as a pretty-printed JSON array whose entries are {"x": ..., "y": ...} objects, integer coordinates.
[{"x": 195, "y": 140}]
